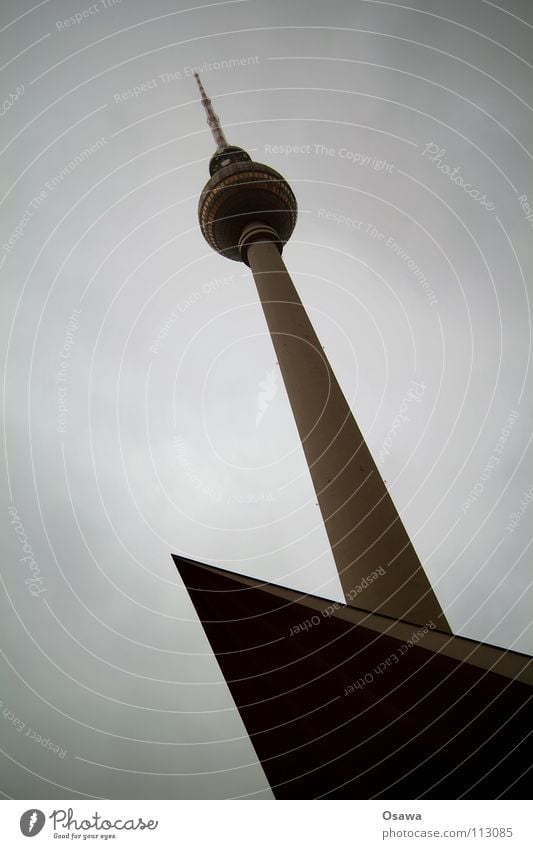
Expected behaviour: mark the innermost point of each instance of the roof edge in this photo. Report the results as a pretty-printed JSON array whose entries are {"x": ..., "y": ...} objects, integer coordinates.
[{"x": 511, "y": 664}]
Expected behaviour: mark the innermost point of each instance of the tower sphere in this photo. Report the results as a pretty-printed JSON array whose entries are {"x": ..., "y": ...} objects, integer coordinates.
[
  {"x": 239, "y": 192},
  {"x": 242, "y": 193}
]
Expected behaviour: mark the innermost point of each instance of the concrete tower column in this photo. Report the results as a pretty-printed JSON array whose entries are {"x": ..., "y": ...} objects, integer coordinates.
[
  {"x": 247, "y": 212},
  {"x": 362, "y": 523}
]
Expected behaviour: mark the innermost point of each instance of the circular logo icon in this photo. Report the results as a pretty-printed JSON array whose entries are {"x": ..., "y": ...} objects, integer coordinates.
[{"x": 31, "y": 822}]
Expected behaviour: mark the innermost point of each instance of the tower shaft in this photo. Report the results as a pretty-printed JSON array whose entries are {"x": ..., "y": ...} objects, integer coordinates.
[
  {"x": 247, "y": 212},
  {"x": 361, "y": 521}
]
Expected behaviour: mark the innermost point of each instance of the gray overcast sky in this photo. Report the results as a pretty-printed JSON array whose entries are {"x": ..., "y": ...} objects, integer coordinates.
[{"x": 144, "y": 412}]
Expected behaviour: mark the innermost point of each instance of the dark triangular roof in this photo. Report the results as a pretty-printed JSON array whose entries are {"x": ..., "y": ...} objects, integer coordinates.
[{"x": 340, "y": 703}]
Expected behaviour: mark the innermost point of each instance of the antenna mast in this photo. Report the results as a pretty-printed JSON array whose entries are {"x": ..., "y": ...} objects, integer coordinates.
[{"x": 212, "y": 119}]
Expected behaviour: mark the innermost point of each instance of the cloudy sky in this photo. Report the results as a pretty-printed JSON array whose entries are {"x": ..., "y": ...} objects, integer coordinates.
[{"x": 144, "y": 412}]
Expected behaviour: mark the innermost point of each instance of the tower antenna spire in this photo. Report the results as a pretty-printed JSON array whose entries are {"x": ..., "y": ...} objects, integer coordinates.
[{"x": 212, "y": 119}]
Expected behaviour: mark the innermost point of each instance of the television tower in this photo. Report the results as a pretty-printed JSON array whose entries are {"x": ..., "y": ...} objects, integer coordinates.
[{"x": 247, "y": 212}]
